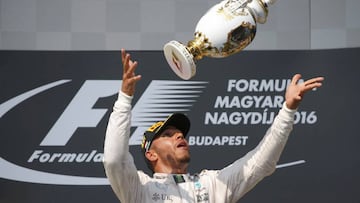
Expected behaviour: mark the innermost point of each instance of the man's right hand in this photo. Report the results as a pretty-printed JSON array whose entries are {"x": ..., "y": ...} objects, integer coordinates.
[{"x": 129, "y": 78}]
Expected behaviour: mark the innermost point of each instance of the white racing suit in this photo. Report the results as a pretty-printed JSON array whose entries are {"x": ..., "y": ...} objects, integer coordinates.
[{"x": 214, "y": 186}]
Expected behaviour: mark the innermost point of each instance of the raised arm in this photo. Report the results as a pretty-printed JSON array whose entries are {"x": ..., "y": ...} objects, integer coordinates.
[
  {"x": 246, "y": 172},
  {"x": 118, "y": 162}
]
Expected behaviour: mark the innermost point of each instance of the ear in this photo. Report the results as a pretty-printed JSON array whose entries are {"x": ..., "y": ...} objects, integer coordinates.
[{"x": 151, "y": 155}]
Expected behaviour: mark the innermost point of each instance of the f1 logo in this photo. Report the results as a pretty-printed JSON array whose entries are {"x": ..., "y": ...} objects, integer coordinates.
[
  {"x": 79, "y": 113},
  {"x": 159, "y": 100}
]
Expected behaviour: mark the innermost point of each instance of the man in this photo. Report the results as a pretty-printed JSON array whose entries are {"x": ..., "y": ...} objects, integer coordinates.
[{"x": 167, "y": 153}]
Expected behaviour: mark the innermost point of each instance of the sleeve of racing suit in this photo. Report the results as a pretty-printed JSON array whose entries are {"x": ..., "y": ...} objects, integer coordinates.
[
  {"x": 245, "y": 173},
  {"x": 118, "y": 162}
]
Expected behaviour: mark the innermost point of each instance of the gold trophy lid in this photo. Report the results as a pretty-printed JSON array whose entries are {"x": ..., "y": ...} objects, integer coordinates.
[{"x": 180, "y": 59}]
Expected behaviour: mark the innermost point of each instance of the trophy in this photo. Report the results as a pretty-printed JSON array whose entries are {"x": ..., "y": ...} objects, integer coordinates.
[{"x": 225, "y": 29}]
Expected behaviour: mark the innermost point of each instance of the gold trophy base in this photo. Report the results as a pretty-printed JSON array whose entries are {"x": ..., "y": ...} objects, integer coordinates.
[{"x": 180, "y": 59}]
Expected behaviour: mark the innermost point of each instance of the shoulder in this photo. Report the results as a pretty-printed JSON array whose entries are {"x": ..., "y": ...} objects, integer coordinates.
[
  {"x": 143, "y": 176},
  {"x": 209, "y": 173}
]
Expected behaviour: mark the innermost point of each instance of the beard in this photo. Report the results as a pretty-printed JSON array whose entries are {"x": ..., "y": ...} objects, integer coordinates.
[
  {"x": 185, "y": 159},
  {"x": 178, "y": 160}
]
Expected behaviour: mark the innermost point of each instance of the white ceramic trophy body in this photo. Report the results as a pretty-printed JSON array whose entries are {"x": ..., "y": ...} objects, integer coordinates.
[{"x": 225, "y": 29}]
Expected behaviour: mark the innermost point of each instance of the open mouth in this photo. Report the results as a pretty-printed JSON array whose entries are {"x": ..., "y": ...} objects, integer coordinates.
[{"x": 182, "y": 144}]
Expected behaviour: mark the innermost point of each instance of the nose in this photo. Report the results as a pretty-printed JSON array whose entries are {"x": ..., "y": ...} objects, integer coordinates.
[{"x": 179, "y": 135}]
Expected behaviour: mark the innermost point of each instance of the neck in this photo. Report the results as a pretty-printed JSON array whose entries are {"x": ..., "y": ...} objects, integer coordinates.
[{"x": 171, "y": 170}]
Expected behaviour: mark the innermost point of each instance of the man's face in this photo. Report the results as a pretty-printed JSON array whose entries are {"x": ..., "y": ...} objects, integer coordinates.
[{"x": 172, "y": 147}]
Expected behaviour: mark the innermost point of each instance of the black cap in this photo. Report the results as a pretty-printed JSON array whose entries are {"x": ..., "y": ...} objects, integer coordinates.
[{"x": 178, "y": 120}]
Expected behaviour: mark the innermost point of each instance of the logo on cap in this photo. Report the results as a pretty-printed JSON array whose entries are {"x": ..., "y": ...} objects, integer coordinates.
[{"x": 150, "y": 134}]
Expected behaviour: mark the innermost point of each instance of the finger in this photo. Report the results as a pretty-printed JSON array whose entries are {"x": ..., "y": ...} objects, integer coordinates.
[
  {"x": 132, "y": 68},
  {"x": 313, "y": 83},
  {"x": 126, "y": 63},
  {"x": 309, "y": 87},
  {"x": 312, "y": 86},
  {"x": 131, "y": 82},
  {"x": 136, "y": 78},
  {"x": 130, "y": 73},
  {"x": 123, "y": 55},
  {"x": 314, "y": 80},
  {"x": 298, "y": 97},
  {"x": 295, "y": 79}
]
